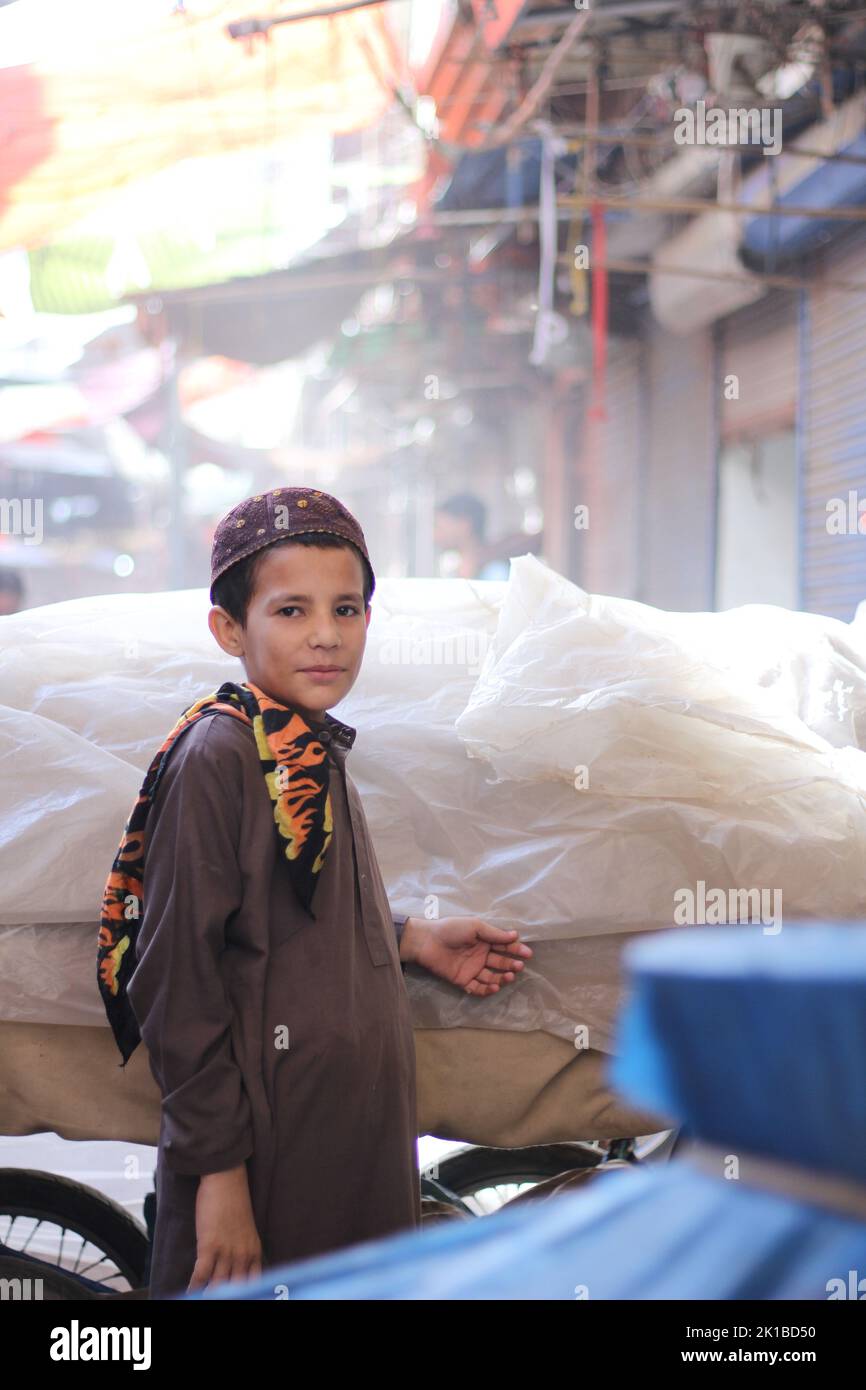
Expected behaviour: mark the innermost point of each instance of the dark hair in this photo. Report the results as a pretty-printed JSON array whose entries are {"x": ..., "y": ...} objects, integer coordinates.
[
  {"x": 466, "y": 504},
  {"x": 234, "y": 589}
]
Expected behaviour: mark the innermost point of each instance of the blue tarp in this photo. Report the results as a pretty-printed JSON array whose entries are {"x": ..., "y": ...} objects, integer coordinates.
[
  {"x": 773, "y": 239},
  {"x": 663, "y": 1233},
  {"x": 757, "y": 1042}
]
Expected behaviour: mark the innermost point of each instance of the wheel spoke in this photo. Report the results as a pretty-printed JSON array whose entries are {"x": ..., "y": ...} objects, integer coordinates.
[
  {"x": 81, "y": 1249},
  {"x": 30, "y": 1237},
  {"x": 101, "y": 1259}
]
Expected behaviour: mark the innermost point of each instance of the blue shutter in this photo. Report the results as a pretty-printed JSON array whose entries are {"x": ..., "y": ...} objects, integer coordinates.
[{"x": 834, "y": 430}]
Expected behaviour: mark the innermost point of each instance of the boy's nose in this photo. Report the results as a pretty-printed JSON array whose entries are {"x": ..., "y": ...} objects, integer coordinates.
[
  {"x": 327, "y": 638},
  {"x": 325, "y": 656}
]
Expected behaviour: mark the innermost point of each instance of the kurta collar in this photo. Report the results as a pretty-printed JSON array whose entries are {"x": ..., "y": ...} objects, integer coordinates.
[{"x": 341, "y": 734}]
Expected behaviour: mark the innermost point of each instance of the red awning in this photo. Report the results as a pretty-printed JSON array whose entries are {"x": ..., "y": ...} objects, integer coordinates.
[{"x": 148, "y": 91}]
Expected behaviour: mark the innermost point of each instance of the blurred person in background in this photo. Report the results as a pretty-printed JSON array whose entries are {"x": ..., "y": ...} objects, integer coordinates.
[
  {"x": 11, "y": 591},
  {"x": 460, "y": 527}
]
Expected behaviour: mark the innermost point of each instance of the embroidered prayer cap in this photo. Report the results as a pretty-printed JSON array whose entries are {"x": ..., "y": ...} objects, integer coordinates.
[{"x": 272, "y": 516}]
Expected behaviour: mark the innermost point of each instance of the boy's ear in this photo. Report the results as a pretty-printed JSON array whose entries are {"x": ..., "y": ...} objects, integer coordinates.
[{"x": 226, "y": 632}]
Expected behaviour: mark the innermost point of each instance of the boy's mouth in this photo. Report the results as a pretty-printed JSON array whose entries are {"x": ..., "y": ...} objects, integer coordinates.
[{"x": 322, "y": 673}]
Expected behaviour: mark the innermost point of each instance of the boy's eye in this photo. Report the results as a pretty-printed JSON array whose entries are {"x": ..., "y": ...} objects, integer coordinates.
[{"x": 343, "y": 607}]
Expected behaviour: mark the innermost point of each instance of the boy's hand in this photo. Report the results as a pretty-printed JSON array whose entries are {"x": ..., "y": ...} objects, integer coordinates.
[
  {"x": 466, "y": 951},
  {"x": 227, "y": 1242}
]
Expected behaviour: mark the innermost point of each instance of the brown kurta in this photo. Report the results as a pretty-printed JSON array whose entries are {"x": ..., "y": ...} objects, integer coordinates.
[{"x": 274, "y": 1039}]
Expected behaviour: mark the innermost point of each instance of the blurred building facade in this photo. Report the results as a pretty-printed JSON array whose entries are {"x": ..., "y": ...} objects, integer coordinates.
[{"x": 640, "y": 357}]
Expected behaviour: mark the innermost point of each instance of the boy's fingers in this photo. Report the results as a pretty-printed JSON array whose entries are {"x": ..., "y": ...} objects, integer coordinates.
[
  {"x": 499, "y": 935},
  {"x": 485, "y": 977},
  {"x": 497, "y": 962},
  {"x": 495, "y": 977},
  {"x": 247, "y": 1267},
  {"x": 481, "y": 936},
  {"x": 201, "y": 1273},
  {"x": 473, "y": 987},
  {"x": 222, "y": 1269}
]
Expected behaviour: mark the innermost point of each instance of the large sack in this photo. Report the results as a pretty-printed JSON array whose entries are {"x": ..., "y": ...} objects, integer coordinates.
[
  {"x": 543, "y": 758},
  {"x": 474, "y": 1085}
]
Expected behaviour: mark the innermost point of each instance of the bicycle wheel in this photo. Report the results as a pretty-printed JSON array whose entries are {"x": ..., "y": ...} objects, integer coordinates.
[
  {"x": 72, "y": 1228},
  {"x": 485, "y": 1178},
  {"x": 37, "y": 1282}
]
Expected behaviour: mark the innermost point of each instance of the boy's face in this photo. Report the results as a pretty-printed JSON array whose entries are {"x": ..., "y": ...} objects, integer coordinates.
[{"x": 307, "y": 611}]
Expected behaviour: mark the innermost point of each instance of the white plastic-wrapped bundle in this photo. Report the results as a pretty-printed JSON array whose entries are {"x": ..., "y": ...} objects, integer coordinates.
[
  {"x": 724, "y": 747},
  {"x": 527, "y": 753},
  {"x": 91, "y": 687}
]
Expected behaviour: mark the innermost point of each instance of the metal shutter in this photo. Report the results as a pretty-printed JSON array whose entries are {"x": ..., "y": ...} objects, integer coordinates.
[
  {"x": 834, "y": 421},
  {"x": 759, "y": 346},
  {"x": 680, "y": 498},
  {"x": 612, "y": 545}
]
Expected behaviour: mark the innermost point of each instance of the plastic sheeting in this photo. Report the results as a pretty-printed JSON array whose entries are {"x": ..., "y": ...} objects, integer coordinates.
[
  {"x": 756, "y": 1043},
  {"x": 723, "y": 747},
  {"x": 718, "y": 747}
]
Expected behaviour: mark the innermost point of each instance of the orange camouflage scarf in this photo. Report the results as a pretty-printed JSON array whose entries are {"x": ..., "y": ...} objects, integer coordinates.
[{"x": 296, "y": 772}]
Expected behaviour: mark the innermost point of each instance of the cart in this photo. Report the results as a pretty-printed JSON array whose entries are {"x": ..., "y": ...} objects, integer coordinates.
[{"x": 92, "y": 1248}]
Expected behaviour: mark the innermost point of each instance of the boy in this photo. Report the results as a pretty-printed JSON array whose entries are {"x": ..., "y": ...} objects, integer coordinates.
[{"x": 247, "y": 934}]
